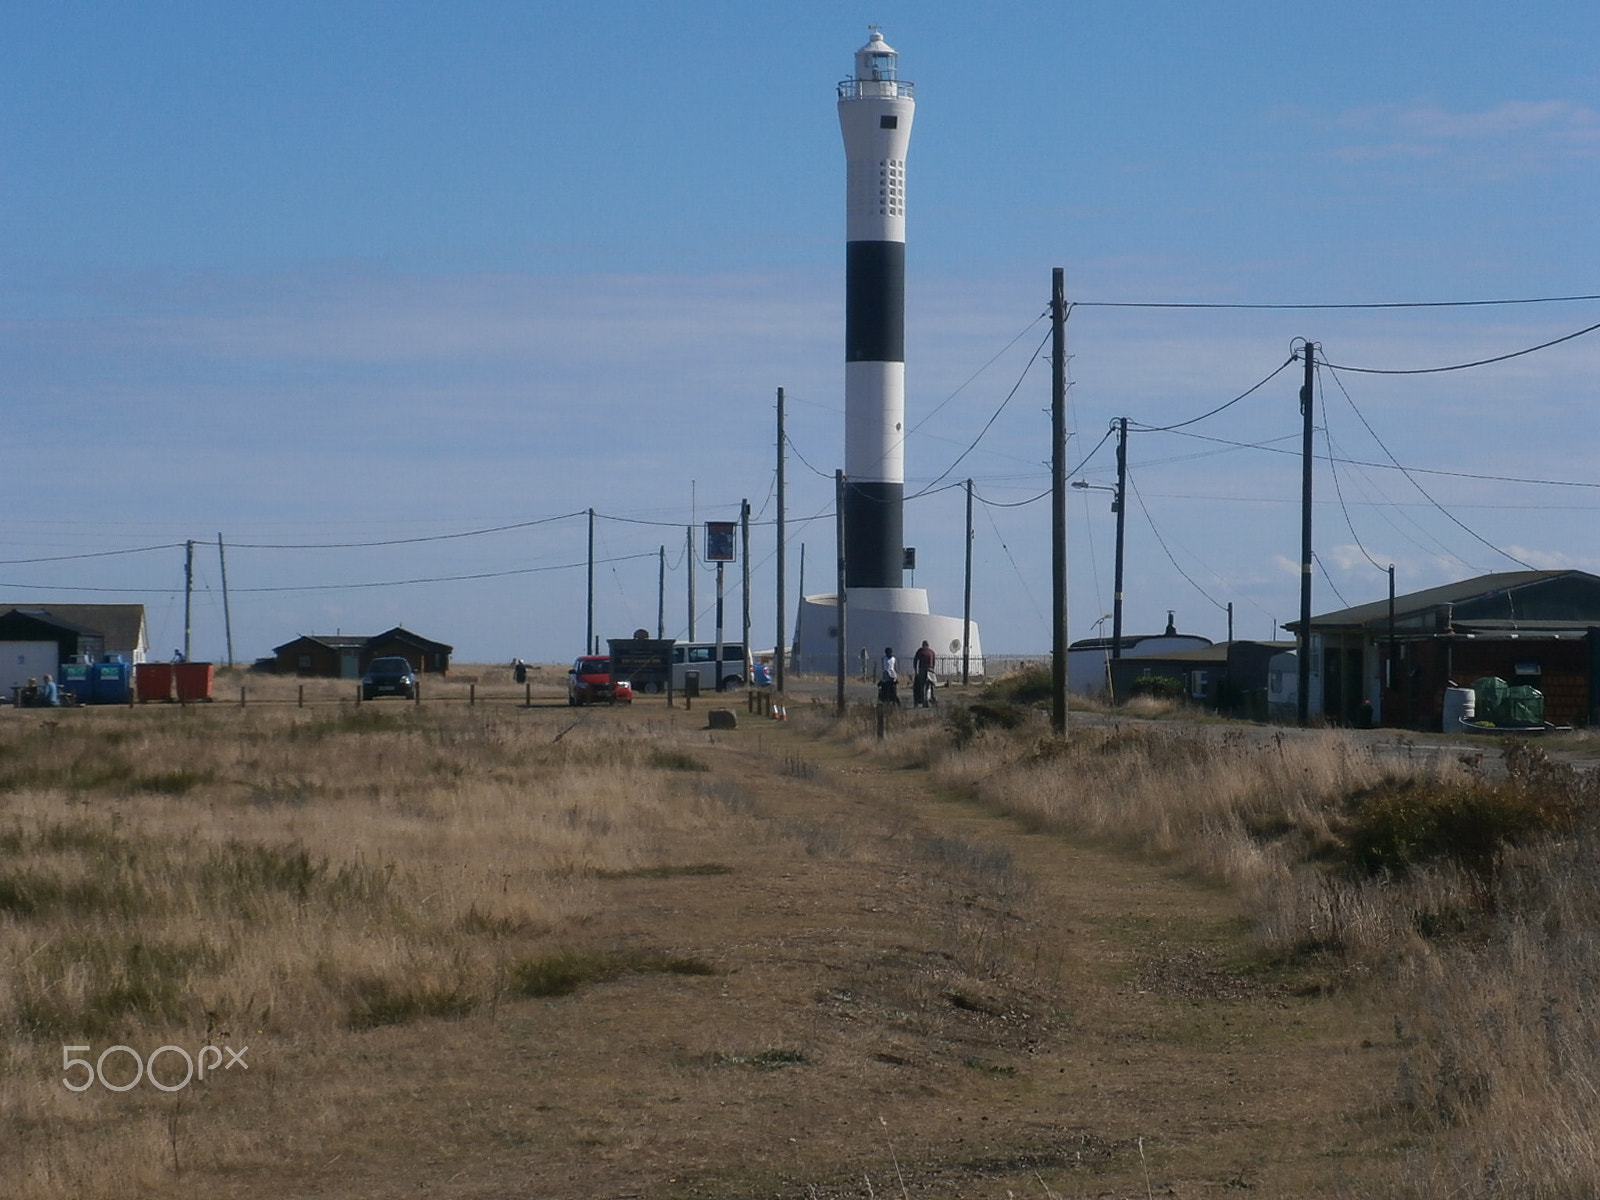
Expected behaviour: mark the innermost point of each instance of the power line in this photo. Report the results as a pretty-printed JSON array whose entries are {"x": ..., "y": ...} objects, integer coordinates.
[
  {"x": 1163, "y": 544},
  {"x": 437, "y": 537},
  {"x": 1317, "y": 558},
  {"x": 1450, "y": 515},
  {"x": 1482, "y": 362},
  {"x": 1334, "y": 307},
  {"x": 1389, "y": 466},
  {"x": 1013, "y": 504},
  {"x": 788, "y": 441},
  {"x": 338, "y": 587},
  {"x": 1033, "y": 358},
  {"x": 11, "y": 562},
  {"x": 998, "y": 355},
  {"x": 1192, "y": 420},
  {"x": 1327, "y": 437}
]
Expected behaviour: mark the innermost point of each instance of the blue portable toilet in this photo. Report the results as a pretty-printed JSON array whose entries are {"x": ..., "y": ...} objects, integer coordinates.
[{"x": 111, "y": 681}]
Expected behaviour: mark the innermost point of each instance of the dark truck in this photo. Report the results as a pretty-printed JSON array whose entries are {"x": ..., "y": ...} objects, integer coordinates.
[{"x": 645, "y": 662}]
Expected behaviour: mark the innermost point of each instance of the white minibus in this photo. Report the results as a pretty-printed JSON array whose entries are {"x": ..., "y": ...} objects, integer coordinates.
[{"x": 702, "y": 656}]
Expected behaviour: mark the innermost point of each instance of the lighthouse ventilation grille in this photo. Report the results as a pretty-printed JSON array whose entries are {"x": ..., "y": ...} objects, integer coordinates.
[
  {"x": 878, "y": 189},
  {"x": 892, "y": 188}
]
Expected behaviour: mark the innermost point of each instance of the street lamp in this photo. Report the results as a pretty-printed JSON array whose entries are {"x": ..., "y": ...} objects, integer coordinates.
[{"x": 1116, "y": 605}]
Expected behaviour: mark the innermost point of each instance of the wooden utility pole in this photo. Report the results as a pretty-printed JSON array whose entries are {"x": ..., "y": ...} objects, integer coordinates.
[
  {"x": 588, "y": 632},
  {"x": 188, "y": 596},
  {"x": 744, "y": 564},
  {"x": 1120, "y": 502},
  {"x": 839, "y": 598},
  {"x": 1058, "y": 501},
  {"x": 227, "y": 618},
  {"x": 661, "y": 593},
  {"x": 966, "y": 601},
  {"x": 780, "y": 643},
  {"x": 1307, "y": 412},
  {"x": 688, "y": 560},
  {"x": 1388, "y": 667}
]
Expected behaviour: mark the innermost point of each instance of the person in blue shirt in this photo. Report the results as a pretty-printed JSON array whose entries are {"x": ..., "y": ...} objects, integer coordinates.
[{"x": 49, "y": 693}]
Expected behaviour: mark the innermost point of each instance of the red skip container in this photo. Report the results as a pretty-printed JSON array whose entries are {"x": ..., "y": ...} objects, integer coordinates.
[
  {"x": 152, "y": 681},
  {"x": 194, "y": 680}
]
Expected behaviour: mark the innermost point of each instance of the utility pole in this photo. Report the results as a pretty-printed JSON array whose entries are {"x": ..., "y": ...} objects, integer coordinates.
[
  {"x": 1058, "y": 501},
  {"x": 1120, "y": 502},
  {"x": 839, "y": 598},
  {"x": 188, "y": 596},
  {"x": 688, "y": 559},
  {"x": 227, "y": 619},
  {"x": 966, "y": 601},
  {"x": 661, "y": 594},
  {"x": 717, "y": 682},
  {"x": 1388, "y": 669},
  {"x": 588, "y": 630},
  {"x": 744, "y": 563},
  {"x": 780, "y": 645},
  {"x": 1307, "y": 412},
  {"x": 694, "y": 519}
]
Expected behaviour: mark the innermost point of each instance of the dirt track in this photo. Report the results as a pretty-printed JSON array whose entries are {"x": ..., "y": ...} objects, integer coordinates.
[{"x": 913, "y": 998}]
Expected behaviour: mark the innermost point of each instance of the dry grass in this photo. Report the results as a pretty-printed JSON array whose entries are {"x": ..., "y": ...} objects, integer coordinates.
[
  {"x": 360, "y": 890},
  {"x": 1467, "y": 901},
  {"x": 223, "y": 875}
]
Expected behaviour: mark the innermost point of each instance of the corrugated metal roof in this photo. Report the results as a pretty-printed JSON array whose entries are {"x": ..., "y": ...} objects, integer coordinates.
[{"x": 1432, "y": 598}]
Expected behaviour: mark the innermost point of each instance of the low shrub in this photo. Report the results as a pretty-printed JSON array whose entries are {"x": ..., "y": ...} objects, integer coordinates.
[
  {"x": 1403, "y": 822},
  {"x": 1030, "y": 685}
]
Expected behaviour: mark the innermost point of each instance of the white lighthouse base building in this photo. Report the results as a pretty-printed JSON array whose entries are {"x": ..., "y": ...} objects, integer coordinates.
[{"x": 876, "y": 618}]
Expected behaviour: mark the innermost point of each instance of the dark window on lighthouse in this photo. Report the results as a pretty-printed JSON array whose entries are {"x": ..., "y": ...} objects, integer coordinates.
[{"x": 889, "y": 122}]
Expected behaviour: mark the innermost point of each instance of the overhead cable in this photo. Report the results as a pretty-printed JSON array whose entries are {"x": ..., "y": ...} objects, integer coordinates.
[
  {"x": 1334, "y": 371},
  {"x": 1033, "y": 358},
  {"x": 1192, "y": 420},
  {"x": 437, "y": 537},
  {"x": 9, "y": 562},
  {"x": 1335, "y": 307},
  {"x": 1482, "y": 362}
]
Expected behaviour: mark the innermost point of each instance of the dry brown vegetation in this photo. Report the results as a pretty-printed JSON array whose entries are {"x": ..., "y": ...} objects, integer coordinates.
[{"x": 495, "y": 950}]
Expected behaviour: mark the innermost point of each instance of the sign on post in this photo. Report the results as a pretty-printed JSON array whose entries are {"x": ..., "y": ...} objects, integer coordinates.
[{"x": 719, "y": 541}]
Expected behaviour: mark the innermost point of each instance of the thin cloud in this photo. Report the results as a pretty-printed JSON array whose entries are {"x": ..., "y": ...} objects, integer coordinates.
[{"x": 1509, "y": 139}]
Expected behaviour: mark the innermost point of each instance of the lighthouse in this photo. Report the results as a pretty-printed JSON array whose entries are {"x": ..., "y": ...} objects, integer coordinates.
[{"x": 875, "y": 111}]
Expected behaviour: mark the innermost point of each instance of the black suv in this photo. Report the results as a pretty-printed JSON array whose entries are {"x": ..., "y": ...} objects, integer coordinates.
[{"x": 389, "y": 677}]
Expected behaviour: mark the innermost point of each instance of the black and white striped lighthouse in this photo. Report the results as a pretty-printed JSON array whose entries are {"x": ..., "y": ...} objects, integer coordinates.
[{"x": 875, "y": 111}]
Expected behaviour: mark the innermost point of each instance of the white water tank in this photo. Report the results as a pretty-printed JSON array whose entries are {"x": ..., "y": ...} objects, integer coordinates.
[{"x": 1459, "y": 704}]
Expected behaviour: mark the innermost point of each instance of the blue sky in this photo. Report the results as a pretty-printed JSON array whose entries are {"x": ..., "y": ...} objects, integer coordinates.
[{"x": 318, "y": 275}]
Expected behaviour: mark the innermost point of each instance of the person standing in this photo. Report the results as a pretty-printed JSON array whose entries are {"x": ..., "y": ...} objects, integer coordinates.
[
  {"x": 922, "y": 685},
  {"x": 888, "y": 679}
]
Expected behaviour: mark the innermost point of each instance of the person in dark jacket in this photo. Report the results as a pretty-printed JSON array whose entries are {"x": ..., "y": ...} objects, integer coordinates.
[{"x": 922, "y": 684}]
